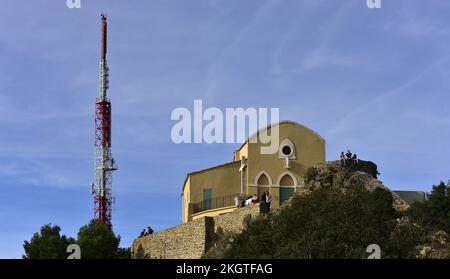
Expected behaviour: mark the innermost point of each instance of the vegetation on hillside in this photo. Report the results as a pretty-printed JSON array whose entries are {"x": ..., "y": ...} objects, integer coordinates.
[{"x": 341, "y": 222}]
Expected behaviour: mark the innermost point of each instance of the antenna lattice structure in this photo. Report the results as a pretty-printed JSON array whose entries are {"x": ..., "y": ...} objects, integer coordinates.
[{"x": 104, "y": 163}]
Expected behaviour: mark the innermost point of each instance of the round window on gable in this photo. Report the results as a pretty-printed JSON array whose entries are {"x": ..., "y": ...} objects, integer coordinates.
[{"x": 287, "y": 150}]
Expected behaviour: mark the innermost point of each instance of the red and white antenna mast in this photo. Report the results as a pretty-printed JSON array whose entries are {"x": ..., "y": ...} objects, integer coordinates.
[{"x": 103, "y": 161}]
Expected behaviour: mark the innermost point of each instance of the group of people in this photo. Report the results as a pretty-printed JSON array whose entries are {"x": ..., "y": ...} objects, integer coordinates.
[
  {"x": 146, "y": 232},
  {"x": 348, "y": 159},
  {"x": 250, "y": 200},
  {"x": 264, "y": 201},
  {"x": 264, "y": 205}
]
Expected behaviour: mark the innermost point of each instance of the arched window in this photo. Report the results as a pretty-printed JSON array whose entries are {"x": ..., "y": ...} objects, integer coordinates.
[
  {"x": 263, "y": 180},
  {"x": 287, "y": 187},
  {"x": 287, "y": 180},
  {"x": 263, "y": 183}
]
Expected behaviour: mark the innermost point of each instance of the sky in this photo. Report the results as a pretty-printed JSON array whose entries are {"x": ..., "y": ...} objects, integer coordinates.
[{"x": 372, "y": 80}]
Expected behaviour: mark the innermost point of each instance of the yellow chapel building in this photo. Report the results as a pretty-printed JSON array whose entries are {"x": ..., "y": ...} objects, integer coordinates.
[{"x": 214, "y": 191}]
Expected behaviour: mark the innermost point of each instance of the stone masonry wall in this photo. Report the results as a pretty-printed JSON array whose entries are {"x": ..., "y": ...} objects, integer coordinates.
[
  {"x": 233, "y": 222},
  {"x": 186, "y": 241},
  {"x": 189, "y": 240}
]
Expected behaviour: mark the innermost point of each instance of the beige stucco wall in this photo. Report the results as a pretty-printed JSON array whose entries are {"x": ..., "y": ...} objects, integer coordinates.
[
  {"x": 309, "y": 151},
  {"x": 214, "y": 212},
  {"x": 224, "y": 180},
  {"x": 242, "y": 152},
  {"x": 185, "y": 199}
]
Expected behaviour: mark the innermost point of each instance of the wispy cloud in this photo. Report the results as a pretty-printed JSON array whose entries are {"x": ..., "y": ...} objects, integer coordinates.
[
  {"x": 374, "y": 80},
  {"x": 38, "y": 173},
  {"x": 354, "y": 115},
  {"x": 322, "y": 52},
  {"x": 414, "y": 19}
]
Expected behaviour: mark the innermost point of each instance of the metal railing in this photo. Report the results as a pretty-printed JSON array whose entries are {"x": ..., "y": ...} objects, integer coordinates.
[{"x": 213, "y": 203}]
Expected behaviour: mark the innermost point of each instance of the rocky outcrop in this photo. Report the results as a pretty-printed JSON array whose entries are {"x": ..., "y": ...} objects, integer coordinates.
[
  {"x": 334, "y": 174},
  {"x": 437, "y": 246}
]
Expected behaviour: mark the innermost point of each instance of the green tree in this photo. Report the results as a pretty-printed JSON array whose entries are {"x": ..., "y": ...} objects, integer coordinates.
[
  {"x": 97, "y": 241},
  {"x": 434, "y": 213},
  {"x": 48, "y": 244},
  {"x": 405, "y": 237},
  {"x": 310, "y": 174},
  {"x": 124, "y": 253},
  {"x": 327, "y": 223},
  {"x": 256, "y": 241},
  {"x": 333, "y": 224},
  {"x": 220, "y": 242}
]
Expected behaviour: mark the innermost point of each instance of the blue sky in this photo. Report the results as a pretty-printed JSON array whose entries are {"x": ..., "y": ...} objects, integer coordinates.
[{"x": 373, "y": 80}]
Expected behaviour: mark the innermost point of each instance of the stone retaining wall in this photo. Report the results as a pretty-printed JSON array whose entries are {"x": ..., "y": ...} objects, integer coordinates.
[
  {"x": 233, "y": 221},
  {"x": 189, "y": 240}
]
